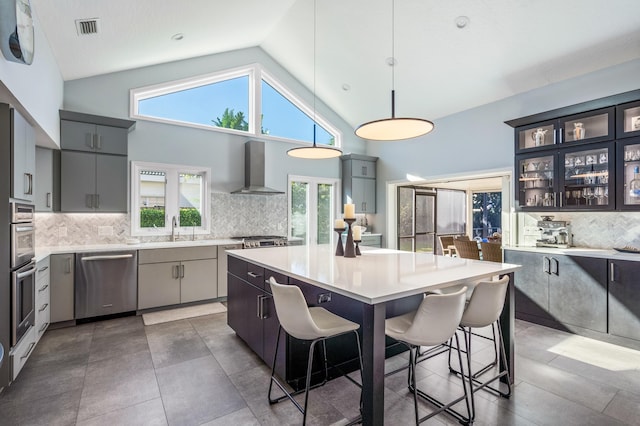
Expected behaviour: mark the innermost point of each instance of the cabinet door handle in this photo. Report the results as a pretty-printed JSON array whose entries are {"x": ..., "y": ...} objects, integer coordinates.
[
  {"x": 259, "y": 307},
  {"x": 556, "y": 270},
  {"x": 612, "y": 272},
  {"x": 265, "y": 314},
  {"x": 28, "y": 183},
  {"x": 96, "y": 201},
  {"x": 48, "y": 202},
  {"x": 98, "y": 141},
  {"x": 364, "y": 170},
  {"x": 181, "y": 271},
  {"x": 560, "y": 198},
  {"x": 560, "y": 134},
  {"x": 174, "y": 271},
  {"x": 546, "y": 264},
  {"x": 89, "y": 200},
  {"x": 68, "y": 266},
  {"x": 92, "y": 138}
]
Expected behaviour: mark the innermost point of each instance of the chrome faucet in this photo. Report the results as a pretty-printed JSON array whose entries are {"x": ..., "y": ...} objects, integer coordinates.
[{"x": 174, "y": 225}]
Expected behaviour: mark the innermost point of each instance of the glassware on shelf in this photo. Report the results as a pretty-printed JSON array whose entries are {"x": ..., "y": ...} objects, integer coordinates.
[
  {"x": 578, "y": 131},
  {"x": 588, "y": 195},
  {"x": 634, "y": 185}
]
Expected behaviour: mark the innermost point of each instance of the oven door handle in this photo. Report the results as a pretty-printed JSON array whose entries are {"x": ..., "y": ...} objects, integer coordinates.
[
  {"x": 24, "y": 228},
  {"x": 31, "y": 271}
]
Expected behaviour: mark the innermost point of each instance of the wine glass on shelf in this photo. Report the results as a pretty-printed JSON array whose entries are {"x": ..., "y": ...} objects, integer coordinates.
[{"x": 587, "y": 194}]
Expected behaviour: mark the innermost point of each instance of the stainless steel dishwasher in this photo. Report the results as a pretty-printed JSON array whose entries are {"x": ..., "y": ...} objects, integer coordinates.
[{"x": 106, "y": 283}]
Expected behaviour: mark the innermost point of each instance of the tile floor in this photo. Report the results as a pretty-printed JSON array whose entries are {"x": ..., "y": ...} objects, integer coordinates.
[{"x": 197, "y": 372}]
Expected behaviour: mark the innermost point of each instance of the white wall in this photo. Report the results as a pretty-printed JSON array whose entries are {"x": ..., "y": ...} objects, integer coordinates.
[
  {"x": 477, "y": 140},
  {"x": 108, "y": 95},
  {"x": 36, "y": 89}
]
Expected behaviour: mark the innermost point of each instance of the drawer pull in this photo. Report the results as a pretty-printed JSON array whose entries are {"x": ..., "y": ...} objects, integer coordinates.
[
  {"x": 253, "y": 275},
  {"x": 43, "y": 307},
  {"x": 43, "y": 288},
  {"x": 44, "y": 326},
  {"x": 43, "y": 269},
  {"x": 31, "y": 345}
]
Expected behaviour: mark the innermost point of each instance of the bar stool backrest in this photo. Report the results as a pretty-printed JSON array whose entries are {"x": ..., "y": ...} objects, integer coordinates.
[
  {"x": 292, "y": 311},
  {"x": 436, "y": 319},
  {"x": 486, "y": 303}
]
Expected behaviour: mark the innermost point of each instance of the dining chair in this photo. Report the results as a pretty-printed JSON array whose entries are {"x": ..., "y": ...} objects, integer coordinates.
[
  {"x": 462, "y": 237},
  {"x": 467, "y": 249},
  {"x": 491, "y": 252},
  {"x": 313, "y": 324},
  {"x": 446, "y": 241},
  {"x": 484, "y": 309},
  {"x": 433, "y": 324}
]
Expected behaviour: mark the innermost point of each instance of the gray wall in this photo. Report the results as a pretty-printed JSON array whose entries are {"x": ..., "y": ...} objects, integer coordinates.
[
  {"x": 477, "y": 140},
  {"x": 109, "y": 95}
]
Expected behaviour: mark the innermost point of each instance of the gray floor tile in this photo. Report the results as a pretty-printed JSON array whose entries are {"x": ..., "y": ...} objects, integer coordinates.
[
  {"x": 69, "y": 345},
  {"x": 174, "y": 342},
  {"x": 118, "y": 326},
  {"x": 231, "y": 352},
  {"x": 197, "y": 391},
  {"x": 211, "y": 325},
  {"x": 122, "y": 343},
  {"x": 148, "y": 413},
  {"x": 60, "y": 410},
  {"x": 545, "y": 408},
  {"x": 116, "y": 383},
  {"x": 242, "y": 417},
  {"x": 625, "y": 407}
]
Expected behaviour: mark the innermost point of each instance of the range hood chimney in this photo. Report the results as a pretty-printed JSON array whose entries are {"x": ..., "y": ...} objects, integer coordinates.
[{"x": 254, "y": 172}]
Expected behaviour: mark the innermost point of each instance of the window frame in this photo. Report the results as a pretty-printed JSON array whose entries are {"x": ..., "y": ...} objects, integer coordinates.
[
  {"x": 172, "y": 196},
  {"x": 256, "y": 73}
]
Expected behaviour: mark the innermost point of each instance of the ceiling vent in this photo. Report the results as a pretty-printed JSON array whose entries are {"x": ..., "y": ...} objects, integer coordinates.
[{"x": 87, "y": 26}]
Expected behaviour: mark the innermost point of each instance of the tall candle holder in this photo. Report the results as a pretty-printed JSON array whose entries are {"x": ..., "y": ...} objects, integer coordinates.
[
  {"x": 339, "y": 247},
  {"x": 349, "y": 249},
  {"x": 357, "y": 247}
]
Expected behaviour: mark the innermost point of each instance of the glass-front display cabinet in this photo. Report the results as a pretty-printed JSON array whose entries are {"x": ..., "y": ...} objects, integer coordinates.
[
  {"x": 587, "y": 178},
  {"x": 628, "y": 170},
  {"x": 587, "y": 127},
  {"x": 536, "y": 182},
  {"x": 628, "y": 119}
]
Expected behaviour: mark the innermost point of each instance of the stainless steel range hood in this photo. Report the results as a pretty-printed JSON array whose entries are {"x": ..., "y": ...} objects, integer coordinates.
[{"x": 254, "y": 171}]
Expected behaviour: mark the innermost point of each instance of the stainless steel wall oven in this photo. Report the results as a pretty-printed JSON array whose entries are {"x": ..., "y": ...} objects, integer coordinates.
[{"x": 23, "y": 270}]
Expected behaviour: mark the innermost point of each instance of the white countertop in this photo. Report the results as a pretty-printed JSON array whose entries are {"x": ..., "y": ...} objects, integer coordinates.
[
  {"x": 579, "y": 251},
  {"x": 43, "y": 252},
  {"x": 379, "y": 275}
]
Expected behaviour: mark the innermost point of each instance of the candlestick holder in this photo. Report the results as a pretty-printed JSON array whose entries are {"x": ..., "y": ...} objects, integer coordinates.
[
  {"x": 349, "y": 249},
  {"x": 339, "y": 247},
  {"x": 357, "y": 247}
]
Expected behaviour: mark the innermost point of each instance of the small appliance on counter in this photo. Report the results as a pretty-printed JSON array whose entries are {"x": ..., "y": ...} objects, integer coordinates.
[
  {"x": 257, "y": 241},
  {"x": 554, "y": 233}
]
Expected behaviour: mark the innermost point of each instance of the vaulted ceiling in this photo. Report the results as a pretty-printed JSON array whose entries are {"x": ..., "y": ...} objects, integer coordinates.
[{"x": 507, "y": 46}]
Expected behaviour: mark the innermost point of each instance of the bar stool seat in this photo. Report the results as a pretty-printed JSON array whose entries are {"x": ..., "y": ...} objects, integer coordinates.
[
  {"x": 313, "y": 324},
  {"x": 433, "y": 324}
]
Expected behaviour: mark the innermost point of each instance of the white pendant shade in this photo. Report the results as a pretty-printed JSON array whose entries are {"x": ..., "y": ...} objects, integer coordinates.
[
  {"x": 394, "y": 129},
  {"x": 314, "y": 152}
]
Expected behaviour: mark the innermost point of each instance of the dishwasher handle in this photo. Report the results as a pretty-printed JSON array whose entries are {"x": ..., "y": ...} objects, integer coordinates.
[{"x": 107, "y": 257}]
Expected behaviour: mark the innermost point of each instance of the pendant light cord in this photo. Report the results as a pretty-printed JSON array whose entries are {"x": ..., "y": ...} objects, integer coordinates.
[
  {"x": 393, "y": 59},
  {"x": 315, "y": 12}
]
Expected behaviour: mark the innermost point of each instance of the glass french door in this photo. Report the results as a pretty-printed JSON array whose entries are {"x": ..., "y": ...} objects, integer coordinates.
[
  {"x": 312, "y": 208},
  {"x": 416, "y": 219}
]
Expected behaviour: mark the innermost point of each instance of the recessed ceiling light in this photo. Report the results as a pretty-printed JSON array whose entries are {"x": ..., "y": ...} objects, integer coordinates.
[
  {"x": 346, "y": 87},
  {"x": 177, "y": 37},
  {"x": 462, "y": 21}
]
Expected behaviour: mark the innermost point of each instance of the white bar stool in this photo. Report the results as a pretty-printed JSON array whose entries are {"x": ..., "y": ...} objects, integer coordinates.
[
  {"x": 315, "y": 324},
  {"x": 433, "y": 324},
  {"x": 484, "y": 309}
]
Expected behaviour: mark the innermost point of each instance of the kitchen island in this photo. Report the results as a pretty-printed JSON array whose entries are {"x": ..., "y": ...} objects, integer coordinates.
[{"x": 377, "y": 279}]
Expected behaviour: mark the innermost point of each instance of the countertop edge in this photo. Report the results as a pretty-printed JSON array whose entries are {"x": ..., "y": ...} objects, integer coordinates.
[{"x": 578, "y": 251}]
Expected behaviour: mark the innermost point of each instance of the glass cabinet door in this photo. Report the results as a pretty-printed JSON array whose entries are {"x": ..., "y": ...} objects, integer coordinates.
[
  {"x": 536, "y": 177},
  {"x": 628, "y": 118},
  {"x": 536, "y": 136},
  {"x": 588, "y": 127},
  {"x": 587, "y": 178},
  {"x": 629, "y": 175}
]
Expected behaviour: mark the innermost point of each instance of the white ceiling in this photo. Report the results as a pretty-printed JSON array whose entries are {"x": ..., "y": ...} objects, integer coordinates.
[{"x": 509, "y": 46}]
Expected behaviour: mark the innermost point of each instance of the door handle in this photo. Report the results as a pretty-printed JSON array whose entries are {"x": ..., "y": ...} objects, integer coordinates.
[
  {"x": 612, "y": 272},
  {"x": 259, "y": 306},
  {"x": 98, "y": 141},
  {"x": 48, "y": 202},
  {"x": 28, "y": 183},
  {"x": 26, "y": 273},
  {"x": 68, "y": 266},
  {"x": 181, "y": 271},
  {"x": 174, "y": 272},
  {"x": 556, "y": 270},
  {"x": 546, "y": 264},
  {"x": 264, "y": 312},
  {"x": 96, "y": 201}
]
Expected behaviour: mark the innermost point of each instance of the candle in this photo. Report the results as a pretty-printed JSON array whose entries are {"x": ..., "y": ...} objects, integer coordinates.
[
  {"x": 349, "y": 211},
  {"x": 357, "y": 234},
  {"x": 339, "y": 224}
]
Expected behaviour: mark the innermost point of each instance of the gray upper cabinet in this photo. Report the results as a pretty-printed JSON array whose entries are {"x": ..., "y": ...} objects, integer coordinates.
[
  {"x": 47, "y": 190},
  {"x": 23, "y": 157},
  {"x": 93, "y": 182},
  {"x": 93, "y": 137},
  {"x": 93, "y": 163},
  {"x": 359, "y": 182}
]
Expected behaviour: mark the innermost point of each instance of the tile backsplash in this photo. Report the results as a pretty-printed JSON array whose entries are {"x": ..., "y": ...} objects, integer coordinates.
[
  {"x": 231, "y": 216},
  {"x": 599, "y": 230}
]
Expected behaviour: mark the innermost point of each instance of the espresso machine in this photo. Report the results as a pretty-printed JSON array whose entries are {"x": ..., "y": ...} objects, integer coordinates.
[{"x": 554, "y": 233}]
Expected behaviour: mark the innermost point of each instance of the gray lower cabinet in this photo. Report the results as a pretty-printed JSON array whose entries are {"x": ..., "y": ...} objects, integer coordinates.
[
  {"x": 177, "y": 275},
  {"x": 93, "y": 182},
  {"x": 62, "y": 287},
  {"x": 561, "y": 289},
  {"x": 371, "y": 240},
  {"x": 624, "y": 299},
  {"x": 222, "y": 267}
]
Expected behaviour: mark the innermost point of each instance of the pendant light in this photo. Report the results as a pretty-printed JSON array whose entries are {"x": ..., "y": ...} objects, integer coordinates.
[
  {"x": 314, "y": 152},
  {"x": 394, "y": 128}
]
